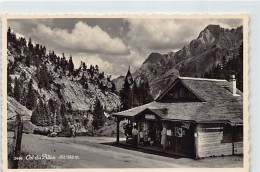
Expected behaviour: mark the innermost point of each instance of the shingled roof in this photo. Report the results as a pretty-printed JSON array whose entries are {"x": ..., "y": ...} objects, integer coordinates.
[{"x": 218, "y": 105}]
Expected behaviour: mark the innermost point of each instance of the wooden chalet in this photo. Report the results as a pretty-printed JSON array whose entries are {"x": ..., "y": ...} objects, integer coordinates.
[{"x": 202, "y": 117}]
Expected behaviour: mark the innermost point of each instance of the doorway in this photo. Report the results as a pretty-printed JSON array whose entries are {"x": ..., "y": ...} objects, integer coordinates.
[
  {"x": 180, "y": 138},
  {"x": 151, "y": 130}
]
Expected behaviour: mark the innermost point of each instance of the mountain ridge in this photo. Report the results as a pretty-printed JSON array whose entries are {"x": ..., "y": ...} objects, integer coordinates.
[{"x": 192, "y": 60}]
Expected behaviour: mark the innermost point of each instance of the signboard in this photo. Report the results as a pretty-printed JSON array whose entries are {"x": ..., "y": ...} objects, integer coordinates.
[
  {"x": 186, "y": 125},
  {"x": 178, "y": 131},
  {"x": 169, "y": 132},
  {"x": 213, "y": 129},
  {"x": 195, "y": 134},
  {"x": 149, "y": 116}
]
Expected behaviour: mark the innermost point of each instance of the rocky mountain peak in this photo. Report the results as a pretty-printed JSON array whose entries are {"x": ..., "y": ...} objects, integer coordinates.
[
  {"x": 214, "y": 30},
  {"x": 154, "y": 58}
]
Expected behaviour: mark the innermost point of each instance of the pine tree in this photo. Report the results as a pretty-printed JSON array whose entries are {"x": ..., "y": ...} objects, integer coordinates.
[
  {"x": 9, "y": 84},
  {"x": 31, "y": 96},
  {"x": 47, "y": 116},
  {"x": 63, "y": 110},
  {"x": 11, "y": 37},
  {"x": 58, "y": 117},
  {"x": 30, "y": 45},
  {"x": 23, "y": 42},
  {"x": 135, "y": 96},
  {"x": 83, "y": 78},
  {"x": 38, "y": 114},
  {"x": 14, "y": 66},
  {"x": 63, "y": 63},
  {"x": 97, "y": 69},
  {"x": 44, "y": 77},
  {"x": 101, "y": 75},
  {"x": 51, "y": 105},
  {"x": 69, "y": 108},
  {"x": 35, "y": 118},
  {"x": 109, "y": 78},
  {"x": 84, "y": 82},
  {"x": 91, "y": 71},
  {"x": 17, "y": 90},
  {"x": 113, "y": 88},
  {"x": 28, "y": 61},
  {"x": 8, "y": 33},
  {"x": 125, "y": 97},
  {"x": 84, "y": 66},
  {"x": 99, "y": 118},
  {"x": 23, "y": 98},
  {"x": 71, "y": 65},
  {"x": 126, "y": 92}
]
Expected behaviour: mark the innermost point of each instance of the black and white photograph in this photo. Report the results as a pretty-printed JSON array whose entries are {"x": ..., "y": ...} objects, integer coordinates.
[{"x": 125, "y": 91}]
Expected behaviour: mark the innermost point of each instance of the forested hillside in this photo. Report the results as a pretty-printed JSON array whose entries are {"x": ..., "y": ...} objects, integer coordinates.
[{"x": 51, "y": 86}]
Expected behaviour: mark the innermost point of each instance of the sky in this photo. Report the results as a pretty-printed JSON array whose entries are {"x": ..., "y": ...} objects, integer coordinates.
[{"x": 113, "y": 43}]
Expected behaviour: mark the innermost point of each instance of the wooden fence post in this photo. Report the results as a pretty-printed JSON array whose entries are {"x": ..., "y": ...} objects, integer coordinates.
[
  {"x": 18, "y": 132},
  {"x": 117, "y": 129}
]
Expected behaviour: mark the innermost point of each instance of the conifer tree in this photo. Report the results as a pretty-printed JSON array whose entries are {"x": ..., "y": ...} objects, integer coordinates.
[
  {"x": 38, "y": 114},
  {"x": 69, "y": 108},
  {"x": 136, "y": 95},
  {"x": 8, "y": 33},
  {"x": 44, "y": 77},
  {"x": 84, "y": 66},
  {"x": 23, "y": 96},
  {"x": 31, "y": 96},
  {"x": 63, "y": 110},
  {"x": 97, "y": 69},
  {"x": 30, "y": 45},
  {"x": 17, "y": 90},
  {"x": 9, "y": 84},
  {"x": 58, "y": 117},
  {"x": 71, "y": 65},
  {"x": 52, "y": 105},
  {"x": 126, "y": 92},
  {"x": 113, "y": 88},
  {"x": 28, "y": 61},
  {"x": 99, "y": 118}
]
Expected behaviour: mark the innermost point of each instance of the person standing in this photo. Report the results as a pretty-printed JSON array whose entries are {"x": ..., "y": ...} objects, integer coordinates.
[
  {"x": 163, "y": 138},
  {"x": 142, "y": 138},
  {"x": 135, "y": 136},
  {"x": 73, "y": 131}
]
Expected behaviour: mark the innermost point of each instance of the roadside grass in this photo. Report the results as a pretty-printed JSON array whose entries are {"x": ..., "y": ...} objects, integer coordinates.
[{"x": 27, "y": 164}]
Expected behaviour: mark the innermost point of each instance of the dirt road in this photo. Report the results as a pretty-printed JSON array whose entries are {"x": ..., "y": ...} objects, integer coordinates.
[{"x": 87, "y": 152}]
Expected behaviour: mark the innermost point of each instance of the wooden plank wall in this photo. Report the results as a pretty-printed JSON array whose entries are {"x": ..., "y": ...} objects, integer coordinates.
[
  {"x": 210, "y": 141},
  {"x": 238, "y": 140},
  {"x": 238, "y": 148}
]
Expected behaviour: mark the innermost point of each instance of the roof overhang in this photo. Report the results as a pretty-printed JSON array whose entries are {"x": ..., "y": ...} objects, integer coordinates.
[{"x": 137, "y": 114}]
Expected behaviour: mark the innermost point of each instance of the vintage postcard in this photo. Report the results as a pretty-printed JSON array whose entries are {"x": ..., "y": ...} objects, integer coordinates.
[{"x": 125, "y": 92}]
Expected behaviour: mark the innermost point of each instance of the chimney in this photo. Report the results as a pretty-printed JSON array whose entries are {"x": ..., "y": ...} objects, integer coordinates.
[{"x": 233, "y": 83}]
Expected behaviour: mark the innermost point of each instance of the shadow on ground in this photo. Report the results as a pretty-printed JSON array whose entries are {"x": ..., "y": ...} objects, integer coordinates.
[{"x": 140, "y": 149}]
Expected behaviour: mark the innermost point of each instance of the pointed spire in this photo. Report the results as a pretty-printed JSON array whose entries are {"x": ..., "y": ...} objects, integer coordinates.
[{"x": 129, "y": 78}]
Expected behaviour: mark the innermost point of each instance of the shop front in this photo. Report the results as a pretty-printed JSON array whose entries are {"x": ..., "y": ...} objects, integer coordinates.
[
  {"x": 150, "y": 133},
  {"x": 180, "y": 138},
  {"x": 159, "y": 134}
]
